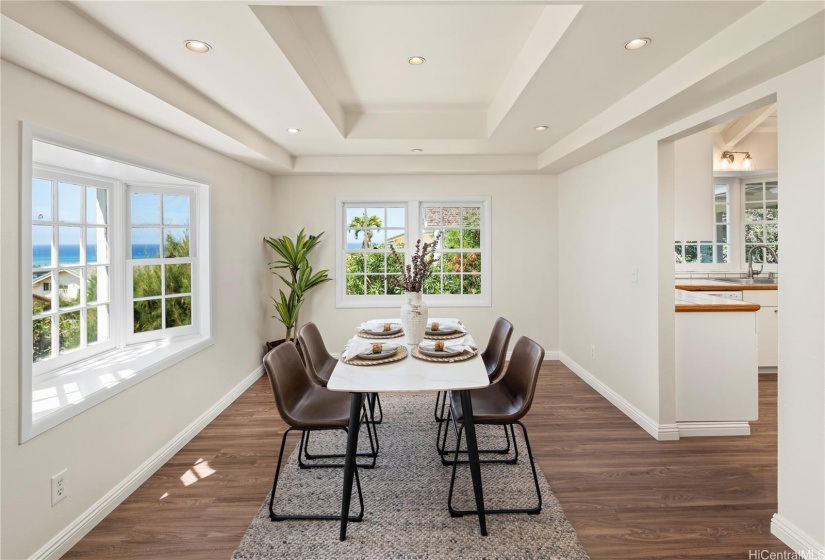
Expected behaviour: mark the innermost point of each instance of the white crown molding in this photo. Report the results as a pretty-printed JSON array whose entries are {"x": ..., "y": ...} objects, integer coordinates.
[
  {"x": 61, "y": 543},
  {"x": 662, "y": 432}
]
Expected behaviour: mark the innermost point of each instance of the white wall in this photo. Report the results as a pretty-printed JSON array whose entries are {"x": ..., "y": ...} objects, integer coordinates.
[
  {"x": 524, "y": 233},
  {"x": 694, "y": 187},
  {"x": 801, "y": 418},
  {"x": 608, "y": 222},
  {"x": 104, "y": 444}
]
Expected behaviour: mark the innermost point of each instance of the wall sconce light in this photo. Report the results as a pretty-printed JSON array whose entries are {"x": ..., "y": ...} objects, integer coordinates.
[{"x": 728, "y": 157}]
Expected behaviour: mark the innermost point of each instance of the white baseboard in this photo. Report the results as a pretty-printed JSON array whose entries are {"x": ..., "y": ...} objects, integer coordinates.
[
  {"x": 796, "y": 539},
  {"x": 661, "y": 432},
  {"x": 77, "y": 529},
  {"x": 698, "y": 429}
]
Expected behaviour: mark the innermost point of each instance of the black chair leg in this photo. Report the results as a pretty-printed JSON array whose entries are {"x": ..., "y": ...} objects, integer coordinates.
[
  {"x": 372, "y": 454},
  {"x": 274, "y": 517},
  {"x": 531, "y": 511},
  {"x": 443, "y": 451},
  {"x": 440, "y": 398},
  {"x": 374, "y": 399}
]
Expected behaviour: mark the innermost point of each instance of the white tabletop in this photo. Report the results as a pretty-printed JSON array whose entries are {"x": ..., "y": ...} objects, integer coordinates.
[{"x": 409, "y": 375}]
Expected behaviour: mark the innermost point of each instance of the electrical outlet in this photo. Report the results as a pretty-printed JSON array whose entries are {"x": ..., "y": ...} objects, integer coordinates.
[
  {"x": 634, "y": 274},
  {"x": 592, "y": 352},
  {"x": 59, "y": 489}
]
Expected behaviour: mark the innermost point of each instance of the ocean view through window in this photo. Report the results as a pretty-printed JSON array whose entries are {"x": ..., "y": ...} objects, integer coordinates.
[{"x": 113, "y": 254}]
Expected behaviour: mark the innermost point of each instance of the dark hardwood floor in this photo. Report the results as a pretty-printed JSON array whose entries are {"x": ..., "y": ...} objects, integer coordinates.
[{"x": 627, "y": 495}]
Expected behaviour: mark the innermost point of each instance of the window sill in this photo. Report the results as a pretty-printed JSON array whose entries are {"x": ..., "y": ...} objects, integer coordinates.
[{"x": 65, "y": 392}]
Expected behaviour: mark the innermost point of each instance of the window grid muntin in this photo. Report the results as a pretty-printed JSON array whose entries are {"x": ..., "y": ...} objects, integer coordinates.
[
  {"x": 760, "y": 256},
  {"x": 162, "y": 260},
  {"x": 368, "y": 251},
  {"x": 56, "y": 310},
  {"x": 429, "y": 232}
]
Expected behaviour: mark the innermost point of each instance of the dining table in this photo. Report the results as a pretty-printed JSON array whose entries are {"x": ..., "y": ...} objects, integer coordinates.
[{"x": 411, "y": 375}]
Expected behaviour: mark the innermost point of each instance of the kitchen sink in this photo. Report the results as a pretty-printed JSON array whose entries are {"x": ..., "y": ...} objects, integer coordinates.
[{"x": 749, "y": 281}]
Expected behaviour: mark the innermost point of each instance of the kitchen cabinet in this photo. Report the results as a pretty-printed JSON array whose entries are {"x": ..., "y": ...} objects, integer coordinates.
[{"x": 767, "y": 324}]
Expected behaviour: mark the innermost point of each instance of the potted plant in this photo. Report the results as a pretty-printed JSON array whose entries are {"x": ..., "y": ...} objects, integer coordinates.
[
  {"x": 293, "y": 256},
  {"x": 414, "y": 311}
]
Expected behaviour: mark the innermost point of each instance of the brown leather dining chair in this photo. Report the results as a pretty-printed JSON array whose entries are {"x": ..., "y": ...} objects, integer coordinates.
[
  {"x": 319, "y": 366},
  {"x": 504, "y": 403},
  {"x": 304, "y": 406},
  {"x": 493, "y": 356}
]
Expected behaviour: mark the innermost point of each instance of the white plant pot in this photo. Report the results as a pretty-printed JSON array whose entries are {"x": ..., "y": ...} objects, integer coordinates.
[{"x": 414, "y": 315}]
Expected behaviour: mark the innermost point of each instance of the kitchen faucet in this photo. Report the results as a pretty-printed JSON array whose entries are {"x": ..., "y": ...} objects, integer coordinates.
[{"x": 751, "y": 272}]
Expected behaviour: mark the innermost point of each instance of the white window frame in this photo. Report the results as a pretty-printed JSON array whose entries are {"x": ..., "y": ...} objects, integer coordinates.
[
  {"x": 164, "y": 332},
  {"x": 763, "y": 179},
  {"x": 414, "y": 228},
  {"x": 126, "y": 363}
]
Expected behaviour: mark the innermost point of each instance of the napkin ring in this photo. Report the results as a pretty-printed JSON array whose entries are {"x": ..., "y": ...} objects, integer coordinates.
[
  {"x": 439, "y": 345},
  {"x": 387, "y": 327},
  {"x": 376, "y": 347},
  {"x": 434, "y": 326}
]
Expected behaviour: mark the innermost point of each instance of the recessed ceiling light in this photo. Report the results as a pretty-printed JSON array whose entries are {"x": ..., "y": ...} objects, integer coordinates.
[
  {"x": 293, "y": 130},
  {"x": 197, "y": 46},
  {"x": 416, "y": 60},
  {"x": 634, "y": 44},
  {"x": 542, "y": 127},
  {"x": 417, "y": 150}
]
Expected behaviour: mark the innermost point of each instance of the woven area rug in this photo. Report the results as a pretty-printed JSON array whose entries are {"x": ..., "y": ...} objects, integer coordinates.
[{"x": 405, "y": 500}]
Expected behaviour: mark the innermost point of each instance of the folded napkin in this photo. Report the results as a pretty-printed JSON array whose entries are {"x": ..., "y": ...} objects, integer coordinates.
[
  {"x": 358, "y": 346},
  {"x": 446, "y": 324},
  {"x": 460, "y": 344},
  {"x": 376, "y": 324}
]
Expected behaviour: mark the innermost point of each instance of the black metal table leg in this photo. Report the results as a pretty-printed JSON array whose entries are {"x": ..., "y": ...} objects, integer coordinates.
[
  {"x": 349, "y": 462},
  {"x": 472, "y": 455}
]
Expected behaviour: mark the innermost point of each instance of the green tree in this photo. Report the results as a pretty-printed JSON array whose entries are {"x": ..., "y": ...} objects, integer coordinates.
[{"x": 360, "y": 224}]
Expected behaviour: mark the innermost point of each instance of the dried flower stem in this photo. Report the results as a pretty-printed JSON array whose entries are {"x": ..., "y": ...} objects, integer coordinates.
[{"x": 414, "y": 275}]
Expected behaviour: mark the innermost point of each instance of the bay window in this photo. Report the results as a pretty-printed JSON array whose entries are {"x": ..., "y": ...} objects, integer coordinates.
[{"x": 115, "y": 273}]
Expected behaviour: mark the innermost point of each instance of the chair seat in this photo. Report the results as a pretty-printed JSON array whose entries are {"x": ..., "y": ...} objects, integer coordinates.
[
  {"x": 321, "y": 408},
  {"x": 491, "y": 405}
]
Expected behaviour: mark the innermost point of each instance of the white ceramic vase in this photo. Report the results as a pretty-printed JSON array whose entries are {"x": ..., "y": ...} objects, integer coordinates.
[{"x": 414, "y": 314}]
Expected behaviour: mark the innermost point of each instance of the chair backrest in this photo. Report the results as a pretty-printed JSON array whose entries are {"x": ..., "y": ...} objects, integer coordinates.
[
  {"x": 319, "y": 362},
  {"x": 523, "y": 373},
  {"x": 496, "y": 352},
  {"x": 288, "y": 378}
]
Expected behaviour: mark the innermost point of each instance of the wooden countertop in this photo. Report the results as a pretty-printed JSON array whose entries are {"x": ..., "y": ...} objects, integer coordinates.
[
  {"x": 688, "y": 301},
  {"x": 707, "y": 285}
]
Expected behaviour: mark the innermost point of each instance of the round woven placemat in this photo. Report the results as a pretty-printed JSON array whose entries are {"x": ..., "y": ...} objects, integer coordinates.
[
  {"x": 400, "y": 354},
  {"x": 466, "y": 355},
  {"x": 365, "y": 334},
  {"x": 457, "y": 334}
]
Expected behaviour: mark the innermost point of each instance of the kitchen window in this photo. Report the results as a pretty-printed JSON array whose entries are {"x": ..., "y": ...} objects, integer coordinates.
[
  {"x": 117, "y": 263},
  {"x": 368, "y": 228},
  {"x": 761, "y": 219}
]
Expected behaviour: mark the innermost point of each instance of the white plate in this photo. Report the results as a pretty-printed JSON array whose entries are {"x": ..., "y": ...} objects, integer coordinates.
[
  {"x": 386, "y": 351},
  {"x": 441, "y": 330},
  {"x": 395, "y": 328},
  {"x": 429, "y": 350}
]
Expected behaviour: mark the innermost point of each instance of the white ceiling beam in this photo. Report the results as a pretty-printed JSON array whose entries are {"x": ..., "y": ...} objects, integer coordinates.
[
  {"x": 745, "y": 125},
  {"x": 631, "y": 117},
  {"x": 189, "y": 110},
  {"x": 416, "y": 164},
  {"x": 278, "y": 21},
  {"x": 551, "y": 25}
]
